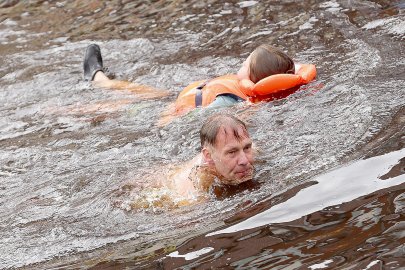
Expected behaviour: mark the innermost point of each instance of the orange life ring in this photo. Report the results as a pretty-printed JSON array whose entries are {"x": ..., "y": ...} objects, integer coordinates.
[{"x": 304, "y": 73}]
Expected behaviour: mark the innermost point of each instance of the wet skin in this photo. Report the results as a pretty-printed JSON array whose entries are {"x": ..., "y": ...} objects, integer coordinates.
[
  {"x": 244, "y": 75},
  {"x": 244, "y": 72},
  {"x": 231, "y": 157}
]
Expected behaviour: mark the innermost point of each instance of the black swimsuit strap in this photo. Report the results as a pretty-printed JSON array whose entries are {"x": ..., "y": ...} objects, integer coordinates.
[{"x": 198, "y": 94}]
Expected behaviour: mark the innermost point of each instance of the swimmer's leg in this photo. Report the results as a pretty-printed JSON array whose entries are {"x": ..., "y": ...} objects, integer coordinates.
[
  {"x": 93, "y": 71},
  {"x": 93, "y": 62}
]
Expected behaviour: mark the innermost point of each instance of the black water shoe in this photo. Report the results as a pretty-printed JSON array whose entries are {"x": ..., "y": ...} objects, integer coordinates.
[{"x": 93, "y": 62}]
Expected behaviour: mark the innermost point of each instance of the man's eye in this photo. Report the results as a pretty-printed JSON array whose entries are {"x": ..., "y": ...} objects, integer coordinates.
[{"x": 247, "y": 147}]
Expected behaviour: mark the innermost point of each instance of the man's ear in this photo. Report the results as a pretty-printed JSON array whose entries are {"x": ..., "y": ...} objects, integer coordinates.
[{"x": 207, "y": 156}]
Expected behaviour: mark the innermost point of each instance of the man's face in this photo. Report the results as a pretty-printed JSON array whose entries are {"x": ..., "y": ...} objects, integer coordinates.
[{"x": 232, "y": 158}]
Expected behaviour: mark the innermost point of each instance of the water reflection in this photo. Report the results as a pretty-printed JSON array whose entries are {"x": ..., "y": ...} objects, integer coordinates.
[
  {"x": 344, "y": 222},
  {"x": 336, "y": 187},
  {"x": 64, "y": 154}
]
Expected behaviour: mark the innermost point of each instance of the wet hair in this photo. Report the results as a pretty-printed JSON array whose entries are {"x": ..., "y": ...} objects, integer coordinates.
[
  {"x": 211, "y": 127},
  {"x": 266, "y": 60}
]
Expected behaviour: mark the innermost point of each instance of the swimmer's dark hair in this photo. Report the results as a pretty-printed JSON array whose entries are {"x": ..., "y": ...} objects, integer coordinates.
[
  {"x": 266, "y": 60},
  {"x": 211, "y": 127}
]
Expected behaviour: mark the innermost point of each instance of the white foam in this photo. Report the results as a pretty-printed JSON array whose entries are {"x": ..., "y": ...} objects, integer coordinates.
[
  {"x": 309, "y": 24},
  {"x": 245, "y": 4},
  {"x": 331, "y": 6},
  {"x": 226, "y": 12},
  {"x": 393, "y": 26},
  {"x": 191, "y": 255},
  {"x": 321, "y": 265},
  {"x": 9, "y": 22},
  {"x": 372, "y": 264},
  {"x": 378, "y": 23},
  {"x": 261, "y": 33}
]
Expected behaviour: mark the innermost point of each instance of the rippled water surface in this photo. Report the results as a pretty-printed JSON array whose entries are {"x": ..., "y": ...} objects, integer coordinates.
[{"x": 77, "y": 162}]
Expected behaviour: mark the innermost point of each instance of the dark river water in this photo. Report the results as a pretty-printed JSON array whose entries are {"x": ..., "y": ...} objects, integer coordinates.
[{"x": 77, "y": 163}]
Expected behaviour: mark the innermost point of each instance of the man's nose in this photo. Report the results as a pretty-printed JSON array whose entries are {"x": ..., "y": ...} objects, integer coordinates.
[{"x": 243, "y": 159}]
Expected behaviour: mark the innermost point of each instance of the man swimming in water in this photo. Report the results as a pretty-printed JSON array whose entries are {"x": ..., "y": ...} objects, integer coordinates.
[
  {"x": 223, "y": 168},
  {"x": 226, "y": 157}
]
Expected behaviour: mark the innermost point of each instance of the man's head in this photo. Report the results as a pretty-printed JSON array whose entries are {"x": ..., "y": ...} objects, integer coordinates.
[{"x": 227, "y": 148}]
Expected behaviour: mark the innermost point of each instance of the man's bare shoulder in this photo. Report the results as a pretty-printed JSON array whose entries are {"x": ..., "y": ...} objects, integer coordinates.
[{"x": 192, "y": 178}]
